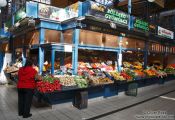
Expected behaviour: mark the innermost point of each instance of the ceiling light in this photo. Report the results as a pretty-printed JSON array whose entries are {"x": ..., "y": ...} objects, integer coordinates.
[
  {"x": 126, "y": 42},
  {"x": 3, "y": 3},
  {"x": 151, "y": 0}
]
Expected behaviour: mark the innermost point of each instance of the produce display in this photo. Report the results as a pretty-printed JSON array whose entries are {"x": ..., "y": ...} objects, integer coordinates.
[
  {"x": 161, "y": 73},
  {"x": 150, "y": 72},
  {"x": 13, "y": 68},
  {"x": 67, "y": 80},
  {"x": 81, "y": 82},
  {"x": 126, "y": 76},
  {"x": 94, "y": 80},
  {"x": 105, "y": 80},
  {"x": 139, "y": 74},
  {"x": 93, "y": 71},
  {"x": 116, "y": 75},
  {"x": 127, "y": 65},
  {"x": 48, "y": 84},
  {"x": 138, "y": 65},
  {"x": 169, "y": 70}
]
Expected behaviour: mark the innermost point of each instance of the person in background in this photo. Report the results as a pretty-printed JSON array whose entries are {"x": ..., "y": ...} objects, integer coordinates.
[{"x": 26, "y": 85}]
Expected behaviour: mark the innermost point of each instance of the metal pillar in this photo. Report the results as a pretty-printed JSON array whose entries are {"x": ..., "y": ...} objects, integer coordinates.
[
  {"x": 23, "y": 56},
  {"x": 52, "y": 61},
  {"x": 129, "y": 13},
  {"x": 41, "y": 50},
  {"x": 120, "y": 54},
  {"x": 62, "y": 53},
  {"x": 75, "y": 51},
  {"x": 146, "y": 55}
]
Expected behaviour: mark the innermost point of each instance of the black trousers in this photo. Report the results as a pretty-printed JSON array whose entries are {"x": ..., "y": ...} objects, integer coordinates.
[{"x": 25, "y": 97}]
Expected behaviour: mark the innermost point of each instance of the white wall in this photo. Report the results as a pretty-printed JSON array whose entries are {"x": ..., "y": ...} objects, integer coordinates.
[{"x": 7, "y": 59}]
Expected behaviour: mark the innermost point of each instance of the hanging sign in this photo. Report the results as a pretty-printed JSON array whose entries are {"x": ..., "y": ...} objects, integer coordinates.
[
  {"x": 165, "y": 33},
  {"x": 20, "y": 14},
  {"x": 101, "y": 11},
  {"x": 140, "y": 24}
]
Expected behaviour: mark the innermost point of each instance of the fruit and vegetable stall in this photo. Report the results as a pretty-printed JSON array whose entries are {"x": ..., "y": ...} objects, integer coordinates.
[{"x": 89, "y": 50}]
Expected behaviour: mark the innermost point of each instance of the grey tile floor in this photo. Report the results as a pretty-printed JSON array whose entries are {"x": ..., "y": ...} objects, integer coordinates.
[{"x": 96, "y": 108}]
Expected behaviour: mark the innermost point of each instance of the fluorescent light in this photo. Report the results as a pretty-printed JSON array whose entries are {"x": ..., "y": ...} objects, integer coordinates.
[{"x": 151, "y": 0}]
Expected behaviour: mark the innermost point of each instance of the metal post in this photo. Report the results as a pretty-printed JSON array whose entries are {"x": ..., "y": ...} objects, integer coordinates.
[
  {"x": 75, "y": 51},
  {"x": 129, "y": 13},
  {"x": 41, "y": 50},
  {"x": 23, "y": 56},
  {"x": 120, "y": 54},
  {"x": 62, "y": 54},
  {"x": 52, "y": 61},
  {"x": 146, "y": 55}
]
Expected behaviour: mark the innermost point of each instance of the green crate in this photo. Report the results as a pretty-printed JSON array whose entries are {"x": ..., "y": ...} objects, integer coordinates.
[{"x": 132, "y": 89}]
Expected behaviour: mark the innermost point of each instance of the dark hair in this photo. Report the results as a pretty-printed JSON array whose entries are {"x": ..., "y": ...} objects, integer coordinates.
[{"x": 29, "y": 62}]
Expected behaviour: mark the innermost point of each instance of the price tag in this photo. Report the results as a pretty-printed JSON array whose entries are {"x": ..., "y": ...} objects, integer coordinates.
[
  {"x": 120, "y": 60},
  {"x": 109, "y": 62},
  {"x": 68, "y": 48},
  {"x": 63, "y": 69},
  {"x": 103, "y": 69}
]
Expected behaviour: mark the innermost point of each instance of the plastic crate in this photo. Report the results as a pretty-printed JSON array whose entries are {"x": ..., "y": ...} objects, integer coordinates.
[
  {"x": 81, "y": 99},
  {"x": 132, "y": 89}
]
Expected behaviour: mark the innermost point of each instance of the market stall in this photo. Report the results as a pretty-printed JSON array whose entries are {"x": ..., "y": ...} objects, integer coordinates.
[{"x": 88, "y": 50}]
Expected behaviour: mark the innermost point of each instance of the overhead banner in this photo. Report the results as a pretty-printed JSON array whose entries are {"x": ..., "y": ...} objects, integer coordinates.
[
  {"x": 165, "y": 33},
  {"x": 141, "y": 24},
  {"x": 58, "y": 14},
  {"x": 101, "y": 11},
  {"x": 49, "y": 12},
  {"x": 69, "y": 12}
]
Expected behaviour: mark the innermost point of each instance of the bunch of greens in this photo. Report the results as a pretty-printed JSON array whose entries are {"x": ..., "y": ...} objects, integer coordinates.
[{"x": 81, "y": 82}]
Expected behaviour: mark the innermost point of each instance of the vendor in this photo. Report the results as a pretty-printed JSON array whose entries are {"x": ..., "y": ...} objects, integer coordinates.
[{"x": 45, "y": 67}]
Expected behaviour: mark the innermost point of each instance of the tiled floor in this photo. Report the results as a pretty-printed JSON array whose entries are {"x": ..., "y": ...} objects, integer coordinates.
[{"x": 105, "y": 109}]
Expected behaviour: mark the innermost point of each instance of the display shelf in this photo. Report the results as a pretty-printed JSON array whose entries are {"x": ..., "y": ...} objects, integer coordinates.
[
  {"x": 88, "y": 47},
  {"x": 57, "y": 46}
]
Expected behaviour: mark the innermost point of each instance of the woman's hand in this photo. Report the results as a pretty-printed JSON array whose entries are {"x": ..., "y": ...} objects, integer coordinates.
[{"x": 38, "y": 77}]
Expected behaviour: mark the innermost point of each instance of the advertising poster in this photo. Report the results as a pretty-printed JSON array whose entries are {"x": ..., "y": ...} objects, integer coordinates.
[
  {"x": 58, "y": 14},
  {"x": 165, "y": 33},
  {"x": 49, "y": 12},
  {"x": 101, "y": 11}
]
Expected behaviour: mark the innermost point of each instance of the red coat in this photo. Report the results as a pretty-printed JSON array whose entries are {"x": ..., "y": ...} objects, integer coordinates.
[{"x": 26, "y": 77}]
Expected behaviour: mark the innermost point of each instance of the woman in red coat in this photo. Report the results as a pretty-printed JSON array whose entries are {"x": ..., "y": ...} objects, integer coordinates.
[{"x": 26, "y": 85}]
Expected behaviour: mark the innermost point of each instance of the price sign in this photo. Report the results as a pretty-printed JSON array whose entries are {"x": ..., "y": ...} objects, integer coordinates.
[
  {"x": 67, "y": 48},
  {"x": 63, "y": 69}
]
